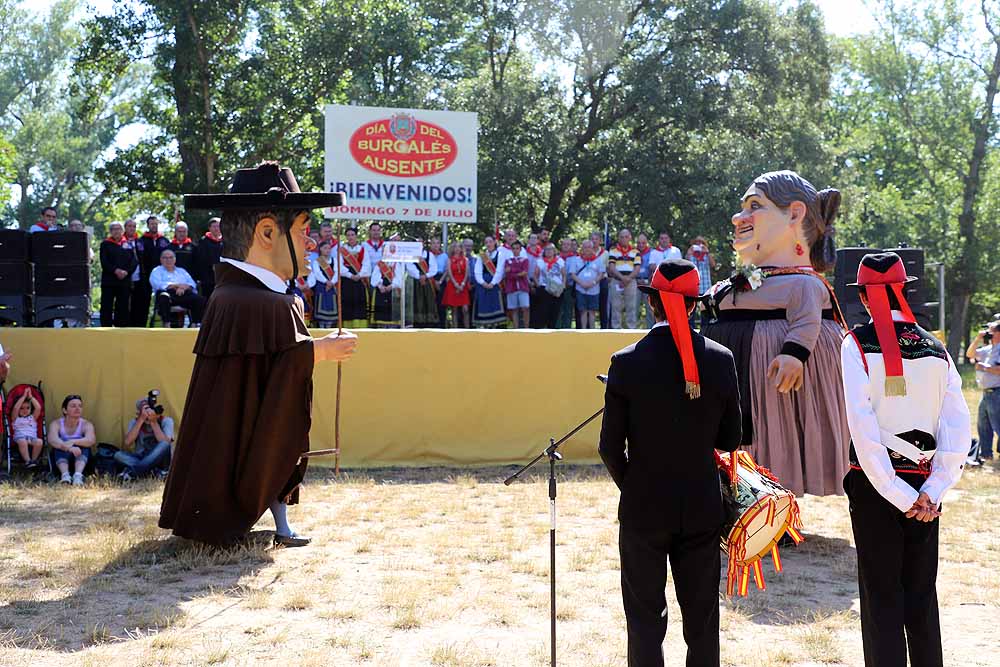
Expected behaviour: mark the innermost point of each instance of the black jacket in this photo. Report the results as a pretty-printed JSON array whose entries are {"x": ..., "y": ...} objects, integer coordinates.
[
  {"x": 208, "y": 254},
  {"x": 668, "y": 477},
  {"x": 114, "y": 256},
  {"x": 185, "y": 256},
  {"x": 149, "y": 249}
]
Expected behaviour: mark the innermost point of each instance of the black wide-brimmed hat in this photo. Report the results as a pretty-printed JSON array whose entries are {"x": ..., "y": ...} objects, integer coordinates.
[
  {"x": 881, "y": 268},
  {"x": 266, "y": 186}
]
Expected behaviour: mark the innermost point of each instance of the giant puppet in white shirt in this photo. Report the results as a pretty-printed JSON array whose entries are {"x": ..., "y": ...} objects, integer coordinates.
[{"x": 780, "y": 318}]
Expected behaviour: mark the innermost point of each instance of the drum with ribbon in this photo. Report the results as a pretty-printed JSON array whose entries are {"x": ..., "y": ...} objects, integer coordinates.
[{"x": 759, "y": 512}]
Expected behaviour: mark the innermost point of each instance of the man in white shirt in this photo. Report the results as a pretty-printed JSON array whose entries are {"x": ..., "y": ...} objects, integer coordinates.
[
  {"x": 47, "y": 222},
  {"x": 664, "y": 250},
  {"x": 910, "y": 433},
  {"x": 173, "y": 286}
]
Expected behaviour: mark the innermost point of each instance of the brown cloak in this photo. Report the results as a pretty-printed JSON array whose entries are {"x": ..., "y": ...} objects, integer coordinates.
[{"x": 247, "y": 414}]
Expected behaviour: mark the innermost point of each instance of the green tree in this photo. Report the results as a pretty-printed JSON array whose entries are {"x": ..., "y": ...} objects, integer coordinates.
[{"x": 914, "y": 133}]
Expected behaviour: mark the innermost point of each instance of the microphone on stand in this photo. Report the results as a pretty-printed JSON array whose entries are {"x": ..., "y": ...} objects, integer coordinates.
[{"x": 603, "y": 379}]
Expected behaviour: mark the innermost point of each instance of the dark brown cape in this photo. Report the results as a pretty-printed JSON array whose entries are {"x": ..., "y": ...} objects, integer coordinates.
[{"x": 247, "y": 414}]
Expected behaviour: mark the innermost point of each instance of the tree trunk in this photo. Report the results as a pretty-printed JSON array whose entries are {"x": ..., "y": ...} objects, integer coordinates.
[
  {"x": 963, "y": 282},
  {"x": 185, "y": 80}
]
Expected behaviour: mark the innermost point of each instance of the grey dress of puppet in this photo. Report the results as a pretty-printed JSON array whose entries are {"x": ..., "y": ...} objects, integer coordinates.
[{"x": 802, "y": 436}]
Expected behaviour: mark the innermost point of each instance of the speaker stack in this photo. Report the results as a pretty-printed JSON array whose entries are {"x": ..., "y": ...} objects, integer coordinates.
[
  {"x": 62, "y": 276},
  {"x": 846, "y": 271},
  {"x": 15, "y": 277}
]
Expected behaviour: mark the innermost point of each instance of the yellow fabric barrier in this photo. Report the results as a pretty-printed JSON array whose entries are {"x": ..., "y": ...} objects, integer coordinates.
[{"x": 409, "y": 397}]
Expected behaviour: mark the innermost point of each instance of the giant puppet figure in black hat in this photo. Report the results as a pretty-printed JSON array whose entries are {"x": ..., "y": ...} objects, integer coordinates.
[
  {"x": 672, "y": 381},
  {"x": 781, "y": 320},
  {"x": 247, "y": 414}
]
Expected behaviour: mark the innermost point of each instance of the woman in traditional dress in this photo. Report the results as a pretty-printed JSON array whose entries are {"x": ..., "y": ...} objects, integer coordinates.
[
  {"x": 424, "y": 290},
  {"x": 322, "y": 281},
  {"x": 357, "y": 271},
  {"x": 781, "y": 320},
  {"x": 387, "y": 281},
  {"x": 456, "y": 289},
  {"x": 489, "y": 312}
]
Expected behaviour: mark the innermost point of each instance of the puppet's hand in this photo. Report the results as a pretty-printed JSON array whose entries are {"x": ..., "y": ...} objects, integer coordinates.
[
  {"x": 786, "y": 373},
  {"x": 335, "y": 347}
]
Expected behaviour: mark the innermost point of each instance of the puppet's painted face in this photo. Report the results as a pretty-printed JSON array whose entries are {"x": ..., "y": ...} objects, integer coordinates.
[
  {"x": 762, "y": 230},
  {"x": 299, "y": 232}
]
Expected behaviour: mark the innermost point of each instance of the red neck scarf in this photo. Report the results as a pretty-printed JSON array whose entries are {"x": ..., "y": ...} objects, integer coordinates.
[
  {"x": 567, "y": 255},
  {"x": 537, "y": 252},
  {"x": 43, "y": 225},
  {"x": 151, "y": 235},
  {"x": 643, "y": 253},
  {"x": 186, "y": 241},
  {"x": 885, "y": 330},
  {"x": 661, "y": 248},
  {"x": 376, "y": 245},
  {"x": 119, "y": 242},
  {"x": 672, "y": 293},
  {"x": 208, "y": 235},
  {"x": 624, "y": 249},
  {"x": 550, "y": 262},
  {"x": 587, "y": 258}
]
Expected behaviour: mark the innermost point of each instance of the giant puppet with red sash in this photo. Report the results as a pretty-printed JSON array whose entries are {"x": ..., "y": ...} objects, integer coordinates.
[
  {"x": 671, "y": 402},
  {"x": 910, "y": 432},
  {"x": 781, "y": 320}
]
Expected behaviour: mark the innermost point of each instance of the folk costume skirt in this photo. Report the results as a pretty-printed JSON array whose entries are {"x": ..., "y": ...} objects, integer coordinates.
[
  {"x": 324, "y": 305},
  {"x": 801, "y": 436},
  {"x": 489, "y": 310},
  {"x": 354, "y": 300}
]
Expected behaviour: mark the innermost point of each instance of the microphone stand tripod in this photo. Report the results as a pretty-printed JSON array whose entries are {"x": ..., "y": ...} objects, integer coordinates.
[{"x": 552, "y": 453}]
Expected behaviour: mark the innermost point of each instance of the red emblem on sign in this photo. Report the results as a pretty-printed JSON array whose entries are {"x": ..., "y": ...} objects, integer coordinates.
[{"x": 403, "y": 146}]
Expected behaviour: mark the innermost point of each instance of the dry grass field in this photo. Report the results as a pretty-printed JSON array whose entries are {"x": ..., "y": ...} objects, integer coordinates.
[
  {"x": 427, "y": 567},
  {"x": 439, "y": 567}
]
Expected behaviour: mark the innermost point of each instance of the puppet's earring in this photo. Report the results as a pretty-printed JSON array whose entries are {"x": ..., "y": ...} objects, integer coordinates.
[{"x": 798, "y": 249}]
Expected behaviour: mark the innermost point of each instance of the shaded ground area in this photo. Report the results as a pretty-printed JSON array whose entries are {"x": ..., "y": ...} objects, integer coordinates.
[{"x": 431, "y": 566}]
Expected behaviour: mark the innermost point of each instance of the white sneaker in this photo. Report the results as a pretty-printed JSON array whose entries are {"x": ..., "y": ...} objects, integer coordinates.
[
  {"x": 78, "y": 479},
  {"x": 66, "y": 479}
]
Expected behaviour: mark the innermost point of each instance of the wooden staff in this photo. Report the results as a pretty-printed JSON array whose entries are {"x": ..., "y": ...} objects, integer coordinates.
[{"x": 340, "y": 366}]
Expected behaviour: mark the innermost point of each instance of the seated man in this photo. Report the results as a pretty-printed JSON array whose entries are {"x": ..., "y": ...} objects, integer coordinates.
[
  {"x": 150, "y": 436},
  {"x": 174, "y": 286}
]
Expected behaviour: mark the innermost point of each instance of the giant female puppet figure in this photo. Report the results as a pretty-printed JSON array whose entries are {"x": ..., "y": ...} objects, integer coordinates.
[{"x": 779, "y": 317}]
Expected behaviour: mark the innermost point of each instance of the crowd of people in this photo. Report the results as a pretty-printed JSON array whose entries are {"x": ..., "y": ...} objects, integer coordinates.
[{"x": 536, "y": 282}]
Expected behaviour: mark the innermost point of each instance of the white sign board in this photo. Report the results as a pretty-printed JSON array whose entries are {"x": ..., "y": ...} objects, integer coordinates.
[
  {"x": 402, "y": 164},
  {"x": 402, "y": 251}
]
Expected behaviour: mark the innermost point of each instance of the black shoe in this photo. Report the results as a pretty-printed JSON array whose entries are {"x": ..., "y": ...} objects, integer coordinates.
[{"x": 292, "y": 540}]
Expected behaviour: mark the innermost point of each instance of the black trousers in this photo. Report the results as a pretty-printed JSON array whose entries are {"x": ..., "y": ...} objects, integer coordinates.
[
  {"x": 696, "y": 563},
  {"x": 206, "y": 288},
  {"x": 194, "y": 303},
  {"x": 602, "y": 300},
  {"x": 897, "y": 572},
  {"x": 142, "y": 294},
  {"x": 114, "y": 305}
]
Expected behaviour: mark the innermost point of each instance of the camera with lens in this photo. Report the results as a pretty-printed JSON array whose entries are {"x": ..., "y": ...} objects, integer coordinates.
[{"x": 151, "y": 401}]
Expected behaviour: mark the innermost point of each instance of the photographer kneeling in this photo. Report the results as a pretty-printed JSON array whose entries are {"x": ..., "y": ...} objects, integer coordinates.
[
  {"x": 985, "y": 354},
  {"x": 150, "y": 435}
]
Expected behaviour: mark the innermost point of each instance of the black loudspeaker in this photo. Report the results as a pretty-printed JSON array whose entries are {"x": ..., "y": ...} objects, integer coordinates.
[
  {"x": 49, "y": 308},
  {"x": 15, "y": 309},
  {"x": 62, "y": 281},
  {"x": 59, "y": 248},
  {"x": 15, "y": 279},
  {"x": 13, "y": 245},
  {"x": 846, "y": 271}
]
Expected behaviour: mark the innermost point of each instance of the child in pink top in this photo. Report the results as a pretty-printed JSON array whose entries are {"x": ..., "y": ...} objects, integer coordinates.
[{"x": 24, "y": 418}]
